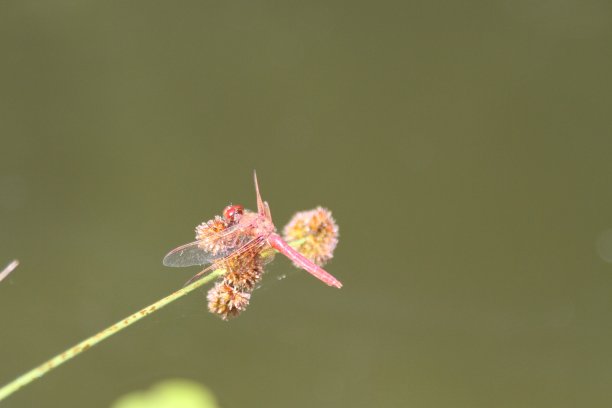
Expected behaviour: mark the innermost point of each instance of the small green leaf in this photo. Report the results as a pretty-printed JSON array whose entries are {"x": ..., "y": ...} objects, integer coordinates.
[{"x": 170, "y": 394}]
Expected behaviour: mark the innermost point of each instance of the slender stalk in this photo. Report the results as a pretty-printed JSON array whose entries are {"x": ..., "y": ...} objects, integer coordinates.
[
  {"x": 86, "y": 344},
  {"x": 9, "y": 268}
]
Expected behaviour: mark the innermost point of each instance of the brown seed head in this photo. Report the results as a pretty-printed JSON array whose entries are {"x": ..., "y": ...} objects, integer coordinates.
[
  {"x": 229, "y": 297},
  {"x": 226, "y": 301},
  {"x": 207, "y": 232},
  {"x": 317, "y": 232},
  {"x": 244, "y": 278}
]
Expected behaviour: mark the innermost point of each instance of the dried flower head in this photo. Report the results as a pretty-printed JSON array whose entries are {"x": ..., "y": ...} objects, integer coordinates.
[
  {"x": 226, "y": 301},
  {"x": 207, "y": 234},
  {"x": 229, "y": 297},
  {"x": 316, "y": 233},
  {"x": 244, "y": 279}
]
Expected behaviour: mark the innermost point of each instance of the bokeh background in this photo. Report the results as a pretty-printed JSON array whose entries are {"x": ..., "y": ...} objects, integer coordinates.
[{"x": 464, "y": 148}]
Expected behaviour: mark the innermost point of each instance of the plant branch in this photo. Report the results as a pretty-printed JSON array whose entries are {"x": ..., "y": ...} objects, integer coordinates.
[
  {"x": 9, "y": 268},
  {"x": 86, "y": 344}
]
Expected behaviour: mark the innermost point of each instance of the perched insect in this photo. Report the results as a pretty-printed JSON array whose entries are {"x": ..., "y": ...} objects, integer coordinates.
[{"x": 238, "y": 235}]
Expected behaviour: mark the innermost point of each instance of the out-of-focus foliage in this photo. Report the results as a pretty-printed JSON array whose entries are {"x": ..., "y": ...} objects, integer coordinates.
[{"x": 169, "y": 394}]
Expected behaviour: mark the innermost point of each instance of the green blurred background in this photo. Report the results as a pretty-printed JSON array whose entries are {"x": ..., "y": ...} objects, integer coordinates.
[{"x": 464, "y": 148}]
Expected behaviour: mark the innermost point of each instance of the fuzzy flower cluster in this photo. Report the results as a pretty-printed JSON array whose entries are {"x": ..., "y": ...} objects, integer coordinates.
[
  {"x": 231, "y": 295},
  {"x": 315, "y": 234},
  {"x": 312, "y": 233},
  {"x": 208, "y": 233}
]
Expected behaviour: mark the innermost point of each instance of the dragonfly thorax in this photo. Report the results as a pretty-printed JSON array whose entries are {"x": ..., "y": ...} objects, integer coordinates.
[{"x": 257, "y": 225}]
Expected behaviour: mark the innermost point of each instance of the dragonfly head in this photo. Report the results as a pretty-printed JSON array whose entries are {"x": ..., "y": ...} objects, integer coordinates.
[{"x": 232, "y": 213}]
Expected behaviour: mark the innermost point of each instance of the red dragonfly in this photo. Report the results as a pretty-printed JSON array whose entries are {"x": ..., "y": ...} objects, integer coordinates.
[{"x": 247, "y": 233}]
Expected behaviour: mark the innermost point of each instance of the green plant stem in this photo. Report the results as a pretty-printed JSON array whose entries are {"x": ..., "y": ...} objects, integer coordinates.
[{"x": 86, "y": 344}]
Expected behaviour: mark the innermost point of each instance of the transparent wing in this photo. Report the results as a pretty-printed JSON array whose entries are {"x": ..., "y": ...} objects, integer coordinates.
[
  {"x": 199, "y": 253},
  {"x": 194, "y": 254},
  {"x": 251, "y": 248}
]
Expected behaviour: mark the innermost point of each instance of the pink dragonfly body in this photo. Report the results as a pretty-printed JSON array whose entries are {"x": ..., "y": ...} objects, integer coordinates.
[{"x": 247, "y": 232}]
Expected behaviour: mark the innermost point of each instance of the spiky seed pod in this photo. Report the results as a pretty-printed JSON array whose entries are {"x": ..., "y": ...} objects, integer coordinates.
[
  {"x": 207, "y": 232},
  {"x": 226, "y": 301},
  {"x": 230, "y": 297},
  {"x": 317, "y": 234},
  {"x": 245, "y": 278}
]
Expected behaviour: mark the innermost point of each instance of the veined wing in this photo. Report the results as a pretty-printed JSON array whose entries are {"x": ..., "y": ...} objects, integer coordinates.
[
  {"x": 250, "y": 249},
  {"x": 214, "y": 247},
  {"x": 196, "y": 253}
]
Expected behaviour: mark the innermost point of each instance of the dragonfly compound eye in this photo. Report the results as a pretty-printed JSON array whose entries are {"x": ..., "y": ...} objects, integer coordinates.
[{"x": 232, "y": 212}]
